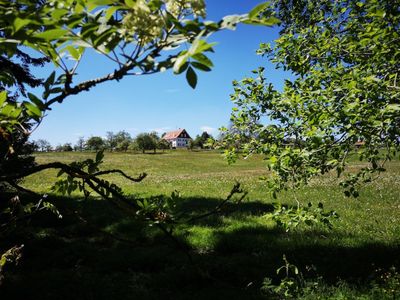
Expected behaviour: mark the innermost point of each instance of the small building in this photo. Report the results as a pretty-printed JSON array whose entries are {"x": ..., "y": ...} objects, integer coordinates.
[
  {"x": 359, "y": 144},
  {"x": 178, "y": 138}
]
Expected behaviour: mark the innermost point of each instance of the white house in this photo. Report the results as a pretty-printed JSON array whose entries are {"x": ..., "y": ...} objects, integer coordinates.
[{"x": 178, "y": 138}]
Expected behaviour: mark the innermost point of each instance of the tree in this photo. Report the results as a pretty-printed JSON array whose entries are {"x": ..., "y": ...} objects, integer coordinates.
[
  {"x": 123, "y": 145},
  {"x": 163, "y": 144},
  {"x": 204, "y": 139},
  {"x": 43, "y": 145},
  {"x": 201, "y": 140},
  {"x": 146, "y": 141},
  {"x": 191, "y": 145},
  {"x": 80, "y": 144},
  {"x": 15, "y": 77},
  {"x": 344, "y": 55},
  {"x": 118, "y": 141},
  {"x": 133, "y": 146},
  {"x": 64, "y": 148},
  {"x": 111, "y": 143},
  {"x": 95, "y": 143},
  {"x": 123, "y": 139}
]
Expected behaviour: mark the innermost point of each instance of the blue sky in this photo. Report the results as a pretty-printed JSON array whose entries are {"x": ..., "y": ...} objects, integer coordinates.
[{"x": 164, "y": 102}]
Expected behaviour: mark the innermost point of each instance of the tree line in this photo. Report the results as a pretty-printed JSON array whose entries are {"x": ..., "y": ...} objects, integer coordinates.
[{"x": 122, "y": 141}]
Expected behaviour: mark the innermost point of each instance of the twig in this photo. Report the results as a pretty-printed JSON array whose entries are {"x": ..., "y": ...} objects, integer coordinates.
[{"x": 235, "y": 190}]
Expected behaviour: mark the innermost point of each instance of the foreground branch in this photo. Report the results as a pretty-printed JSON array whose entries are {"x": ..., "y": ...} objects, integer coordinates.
[
  {"x": 67, "y": 169},
  {"x": 235, "y": 190},
  {"x": 91, "y": 179}
]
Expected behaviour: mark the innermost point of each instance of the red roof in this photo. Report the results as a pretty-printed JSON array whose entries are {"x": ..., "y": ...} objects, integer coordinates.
[
  {"x": 359, "y": 143},
  {"x": 175, "y": 134}
]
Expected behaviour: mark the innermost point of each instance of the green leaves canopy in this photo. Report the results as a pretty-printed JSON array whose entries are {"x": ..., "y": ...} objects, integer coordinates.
[{"x": 345, "y": 58}]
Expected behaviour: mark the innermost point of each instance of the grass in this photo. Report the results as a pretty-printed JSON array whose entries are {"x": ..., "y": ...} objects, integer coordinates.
[{"x": 89, "y": 257}]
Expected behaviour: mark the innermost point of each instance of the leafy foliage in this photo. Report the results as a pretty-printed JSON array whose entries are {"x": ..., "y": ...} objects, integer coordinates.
[
  {"x": 81, "y": 175},
  {"x": 95, "y": 143},
  {"x": 201, "y": 141},
  {"x": 289, "y": 217},
  {"x": 147, "y": 141},
  {"x": 345, "y": 60},
  {"x": 11, "y": 256},
  {"x": 290, "y": 285}
]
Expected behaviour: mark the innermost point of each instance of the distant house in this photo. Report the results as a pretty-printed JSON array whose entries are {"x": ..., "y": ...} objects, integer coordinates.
[
  {"x": 178, "y": 138},
  {"x": 359, "y": 144}
]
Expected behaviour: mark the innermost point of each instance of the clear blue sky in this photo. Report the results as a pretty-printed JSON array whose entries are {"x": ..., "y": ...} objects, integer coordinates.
[{"x": 164, "y": 102}]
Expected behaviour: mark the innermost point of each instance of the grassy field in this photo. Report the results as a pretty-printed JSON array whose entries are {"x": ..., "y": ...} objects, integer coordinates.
[{"x": 98, "y": 252}]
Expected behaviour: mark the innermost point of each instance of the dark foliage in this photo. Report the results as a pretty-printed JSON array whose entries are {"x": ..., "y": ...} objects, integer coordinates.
[{"x": 15, "y": 76}]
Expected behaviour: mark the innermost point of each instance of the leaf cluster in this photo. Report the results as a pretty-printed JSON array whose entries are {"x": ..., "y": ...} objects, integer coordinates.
[{"x": 289, "y": 218}]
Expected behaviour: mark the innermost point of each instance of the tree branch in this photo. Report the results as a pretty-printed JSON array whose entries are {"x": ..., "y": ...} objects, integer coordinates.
[
  {"x": 137, "y": 179},
  {"x": 235, "y": 190}
]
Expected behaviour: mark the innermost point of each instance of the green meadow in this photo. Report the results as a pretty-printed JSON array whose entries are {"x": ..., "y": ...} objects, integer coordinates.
[{"x": 97, "y": 251}]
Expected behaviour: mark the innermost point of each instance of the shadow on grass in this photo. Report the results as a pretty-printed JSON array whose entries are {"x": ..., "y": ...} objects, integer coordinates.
[{"x": 98, "y": 252}]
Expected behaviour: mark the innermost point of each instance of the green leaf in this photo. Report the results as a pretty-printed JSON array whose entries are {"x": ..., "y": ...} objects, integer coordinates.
[
  {"x": 180, "y": 61},
  {"x": 191, "y": 77},
  {"x": 204, "y": 60},
  {"x": 74, "y": 52},
  {"x": 33, "y": 110},
  {"x": 258, "y": 9},
  {"x": 390, "y": 107},
  {"x": 52, "y": 34},
  {"x": 110, "y": 11},
  {"x": 99, "y": 156},
  {"x": 270, "y": 21},
  {"x": 130, "y": 3},
  {"x": 50, "y": 80},
  {"x": 3, "y": 97},
  {"x": 155, "y": 4},
  {"x": 201, "y": 66},
  {"x": 92, "y": 4},
  {"x": 230, "y": 22},
  {"x": 183, "y": 68},
  {"x": 36, "y": 101},
  {"x": 19, "y": 23},
  {"x": 200, "y": 46}
]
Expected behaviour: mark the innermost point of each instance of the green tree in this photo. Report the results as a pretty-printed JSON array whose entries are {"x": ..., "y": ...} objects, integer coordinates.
[
  {"x": 118, "y": 141},
  {"x": 15, "y": 78},
  {"x": 43, "y": 145},
  {"x": 146, "y": 141},
  {"x": 111, "y": 143},
  {"x": 191, "y": 145},
  {"x": 133, "y": 146},
  {"x": 95, "y": 143},
  {"x": 200, "y": 141},
  {"x": 80, "y": 144},
  {"x": 163, "y": 144},
  {"x": 344, "y": 56},
  {"x": 64, "y": 148},
  {"x": 123, "y": 145},
  {"x": 123, "y": 139}
]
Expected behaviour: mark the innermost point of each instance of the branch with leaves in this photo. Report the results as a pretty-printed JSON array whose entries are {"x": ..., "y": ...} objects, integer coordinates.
[{"x": 340, "y": 103}]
